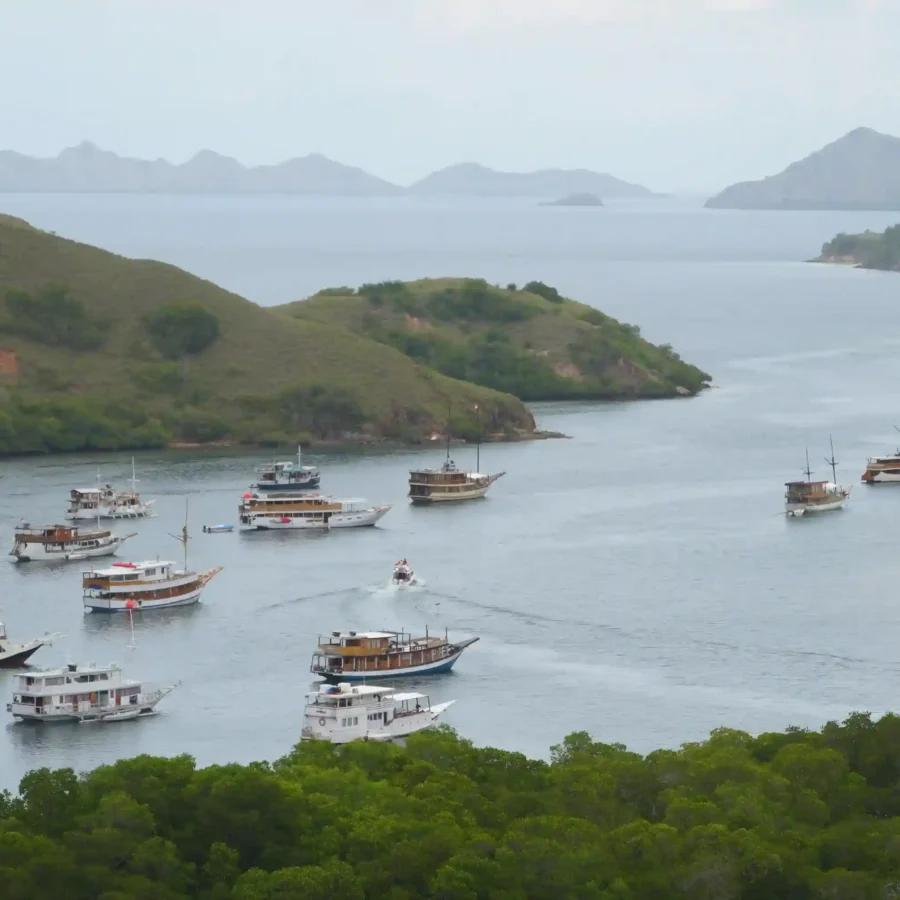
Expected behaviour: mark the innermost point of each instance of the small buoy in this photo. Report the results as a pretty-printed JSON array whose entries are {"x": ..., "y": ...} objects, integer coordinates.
[{"x": 129, "y": 604}]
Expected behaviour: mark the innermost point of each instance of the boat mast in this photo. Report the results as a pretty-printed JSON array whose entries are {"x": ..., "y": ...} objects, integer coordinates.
[
  {"x": 183, "y": 538},
  {"x": 478, "y": 444},
  {"x": 807, "y": 470},
  {"x": 299, "y": 456},
  {"x": 134, "y": 480},
  {"x": 448, "y": 431},
  {"x": 832, "y": 462}
]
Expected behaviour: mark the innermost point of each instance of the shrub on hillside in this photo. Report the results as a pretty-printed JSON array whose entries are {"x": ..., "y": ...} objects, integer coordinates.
[{"x": 51, "y": 316}]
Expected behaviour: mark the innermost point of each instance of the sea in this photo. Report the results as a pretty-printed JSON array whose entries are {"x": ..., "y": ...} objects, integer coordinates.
[{"x": 637, "y": 580}]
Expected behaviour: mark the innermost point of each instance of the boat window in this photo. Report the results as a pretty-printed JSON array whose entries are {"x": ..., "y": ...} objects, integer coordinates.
[{"x": 56, "y": 679}]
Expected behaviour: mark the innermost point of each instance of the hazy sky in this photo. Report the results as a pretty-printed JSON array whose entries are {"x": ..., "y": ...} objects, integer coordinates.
[{"x": 675, "y": 94}]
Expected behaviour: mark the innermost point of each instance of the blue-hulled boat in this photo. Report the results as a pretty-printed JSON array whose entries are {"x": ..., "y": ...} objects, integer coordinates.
[{"x": 356, "y": 655}]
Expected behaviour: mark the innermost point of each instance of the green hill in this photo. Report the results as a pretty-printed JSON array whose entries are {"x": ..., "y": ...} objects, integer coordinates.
[
  {"x": 869, "y": 250},
  {"x": 530, "y": 342},
  {"x": 101, "y": 351}
]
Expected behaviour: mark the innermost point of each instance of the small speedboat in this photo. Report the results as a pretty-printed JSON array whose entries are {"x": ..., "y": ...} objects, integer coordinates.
[
  {"x": 216, "y": 529},
  {"x": 403, "y": 574}
]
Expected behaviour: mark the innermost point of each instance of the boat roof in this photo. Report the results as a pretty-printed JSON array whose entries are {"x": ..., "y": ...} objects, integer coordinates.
[
  {"x": 345, "y": 688},
  {"x": 90, "y": 490},
  {"x": 411, "y": 695},
  {"x": 362, "y": 634},
  {"x": 119, "y": 568},
  {"x": 72, "y": 669},
  {"x": 809, "y": 484}
]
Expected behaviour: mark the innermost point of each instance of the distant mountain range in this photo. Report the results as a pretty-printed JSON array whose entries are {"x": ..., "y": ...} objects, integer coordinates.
[
  {"x": 859, "y": 171},
  {"x": 88, "y": 169}
]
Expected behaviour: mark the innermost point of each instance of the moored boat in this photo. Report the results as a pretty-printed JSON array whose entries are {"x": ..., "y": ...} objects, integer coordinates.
[
  {"x": 104, "y": 502},
  {"x": 287, "y": 476},
  {"x": 449, "y": 484},
  {"x": 63, "y": 542},
  {"x": 285, "y": 511},
  {"x": 344, "y": 712},
  {"x": 883, "y": 469},
  {"x": 802, "y": 497},
  {"x": 12, "y": 654},
  {"x": 76, "y": 693},
  {"x": 354, "y": 656},
  {"x": 144, "y": 585}
]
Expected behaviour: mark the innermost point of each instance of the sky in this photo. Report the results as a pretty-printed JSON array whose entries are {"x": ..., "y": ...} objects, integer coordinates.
[{"x": 679, "y": 95}]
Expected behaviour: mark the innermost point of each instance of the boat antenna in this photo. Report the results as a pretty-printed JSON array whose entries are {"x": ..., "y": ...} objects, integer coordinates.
[
  {"x": 134, "y": 479},
  {"x": 299, "y": 456},
  {"x": 449, "y": 408},
  {"x": 478, "y": 440},
  {"x": 184, "y": 537},
  {"x": 807, "y": 470},
  {"x": 832, "y": 462}
]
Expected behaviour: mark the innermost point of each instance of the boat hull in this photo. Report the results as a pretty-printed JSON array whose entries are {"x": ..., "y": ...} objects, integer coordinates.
[
  {"x": 107, "y": 714},
  {"x": 474, "y": 493},
  {"x": 360, "y": 519},
  {"x": 881, "y": 477},
  {"x": 120, "y": 604},
  {"x": 123, "y": 512},
  {"x": 20, "y": 655},
  {"x": 432, "y": 668},
  {"x": 41, "y": 553}
]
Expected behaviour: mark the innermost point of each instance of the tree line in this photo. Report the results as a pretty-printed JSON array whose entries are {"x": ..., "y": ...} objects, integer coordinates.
[{"x": 798, "y": 815}]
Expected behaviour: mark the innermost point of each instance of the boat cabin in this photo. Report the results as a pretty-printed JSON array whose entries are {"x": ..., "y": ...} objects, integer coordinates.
[
  {"x": 809, "y": 490},
  {"x": 56, "y": 534}
]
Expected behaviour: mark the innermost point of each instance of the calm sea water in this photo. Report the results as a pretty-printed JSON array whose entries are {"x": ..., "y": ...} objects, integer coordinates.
[{"x": 637, "y": 581}]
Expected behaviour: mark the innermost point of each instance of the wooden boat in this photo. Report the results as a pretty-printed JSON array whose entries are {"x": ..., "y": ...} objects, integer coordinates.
[
  {"x": 287, "y": 476},
  {"x": 344, "y": 712},
  {"x": 63, "y": 542},
  {"x": 104, "y": 502},
  {"x": 284, "y": 512},
  {"x": 802, "y": 497},
  {"x": 448, "y": 484},
  {"x": 353, "y": 656},
  {"x": 81, "y": 694},
  {"x": 154, "y": 584}
]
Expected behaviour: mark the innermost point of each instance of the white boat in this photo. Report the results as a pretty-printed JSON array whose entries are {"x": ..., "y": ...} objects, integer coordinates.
[
  {"x": 804, "y": 497},
  {"x": 283, "y": 512},
  {"x": 342, "y": 713},
  {"x": 81, "y": 694},
  {"x": 403, "y": 574},
  {"x": 883, "y": 469},
  {"x": 63, "y": 542},
  {"x": 104, "y": 502},
  {"x": 155, "y": 584},
  {"x": 18, "y": 654},
  {"x": 287, "y": 476}
]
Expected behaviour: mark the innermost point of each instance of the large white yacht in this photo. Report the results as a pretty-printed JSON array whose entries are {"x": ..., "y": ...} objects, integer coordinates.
[
  {"x": 341, "y": 713},
  {"x": 81, "y": 694}
]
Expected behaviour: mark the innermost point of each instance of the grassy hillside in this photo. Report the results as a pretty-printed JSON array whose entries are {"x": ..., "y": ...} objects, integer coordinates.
[
  {"x": 97, "y": 350},
  {"x": 871, "y": 249},
  {"x": 530, "y": 342}
]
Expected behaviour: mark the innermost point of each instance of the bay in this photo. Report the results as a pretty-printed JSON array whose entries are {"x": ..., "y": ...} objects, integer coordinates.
[{"x": 637, "y": 581}]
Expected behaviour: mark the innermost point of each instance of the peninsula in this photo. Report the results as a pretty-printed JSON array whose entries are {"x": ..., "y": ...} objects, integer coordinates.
[
  {"x": 582, "y": 199},
  {"x": 869, "y": 250},
  {"x": 859, "y": 171},
  {"x": 101, "y": 352},
  {"x": 527, "y": 341}
]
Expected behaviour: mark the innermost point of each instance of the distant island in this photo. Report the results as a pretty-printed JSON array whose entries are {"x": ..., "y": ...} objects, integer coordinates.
[
  {"x": 473, "y": 180},
  {"x": 575, "y": 200},
  {"x": 101, "y": 352},
  {"x": 859, "y": 171},
  {"x": 88, "y": 169},
  {"x": 869, "y": 250}
]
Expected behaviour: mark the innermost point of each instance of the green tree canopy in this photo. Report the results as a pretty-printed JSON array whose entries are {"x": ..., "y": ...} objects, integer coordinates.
[{"x": 182, "y": 329}]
